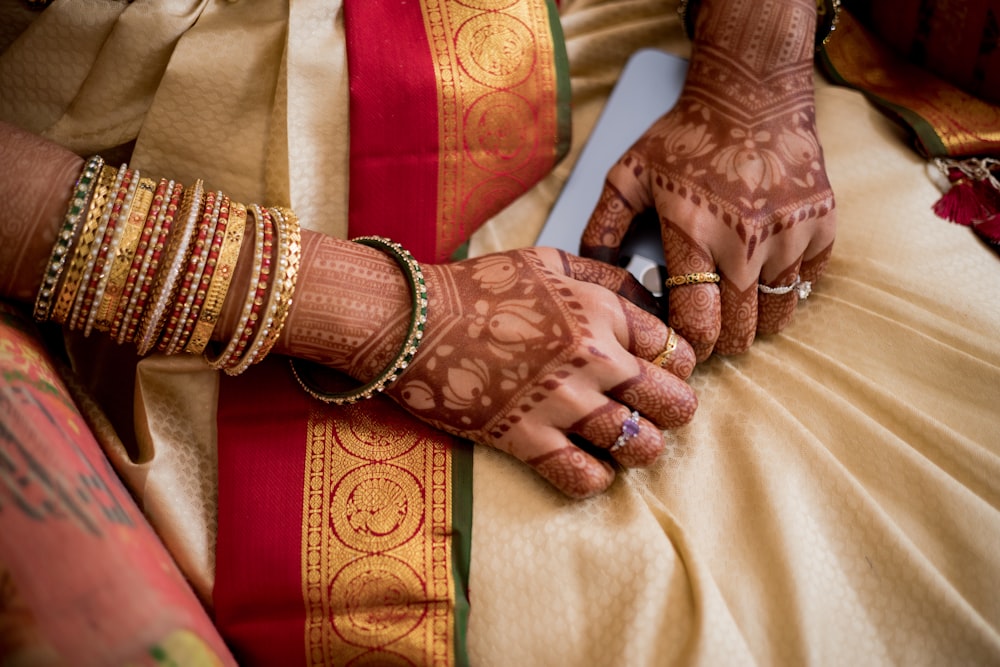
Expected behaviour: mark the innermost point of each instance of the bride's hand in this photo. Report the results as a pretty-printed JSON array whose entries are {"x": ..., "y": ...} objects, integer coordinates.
[{"x": 526, "y": 348}]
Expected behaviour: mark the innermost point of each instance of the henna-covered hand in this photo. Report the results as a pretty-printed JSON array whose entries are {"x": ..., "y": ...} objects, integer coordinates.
[
  {"x": 735, "y": 172},
  {"x": 525, "y": 347}
]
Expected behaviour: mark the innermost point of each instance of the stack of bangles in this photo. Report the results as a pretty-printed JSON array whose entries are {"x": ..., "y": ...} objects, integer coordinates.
[{"x": 151, "y": 262}]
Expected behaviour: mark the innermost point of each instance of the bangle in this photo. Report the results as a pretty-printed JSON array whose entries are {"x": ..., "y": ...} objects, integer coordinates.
[
  {"x": 138, "y": 254},
  {"x": 255, "y": 292},
  {"x": 169, "y": 274},
  {"x": 99, "y": 250},
  {"x": 74, "y": 272},
  {"x": 221, "y": 278},
  {"x": 71, "y": 226},
  {"x": 418, "y": 292},
  {"x": 161, "y": 215},
  {"x": 827, "y": 13},
  {"x": 134, "y": 217},
  {"x": 288, "y": 252}
]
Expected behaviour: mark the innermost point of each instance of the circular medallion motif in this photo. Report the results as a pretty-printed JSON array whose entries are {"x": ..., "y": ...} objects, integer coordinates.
[
  {"x": 378, "y": 600},
  {"x": 496, "y": 50},
  {"x": 383, "y": 506},
  {"x": 368, "y": 438},
  {"x": 500, "y": 132}
]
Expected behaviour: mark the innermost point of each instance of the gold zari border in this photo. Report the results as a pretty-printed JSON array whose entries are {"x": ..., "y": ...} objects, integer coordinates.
[{"x": 376, "y": 539}]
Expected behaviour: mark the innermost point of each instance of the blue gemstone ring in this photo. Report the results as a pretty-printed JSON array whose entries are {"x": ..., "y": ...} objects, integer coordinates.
[{"x": 630, "y": 429}]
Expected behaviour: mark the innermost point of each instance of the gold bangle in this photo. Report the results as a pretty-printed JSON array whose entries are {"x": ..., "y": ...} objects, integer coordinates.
[
  {"x": 74, "y": 273},
  {"x": 289, "y": 259},
  {"x": 222, "y": 278},
  {"x": 168, "y": 274},
  {"x": 134, "y": 222}
]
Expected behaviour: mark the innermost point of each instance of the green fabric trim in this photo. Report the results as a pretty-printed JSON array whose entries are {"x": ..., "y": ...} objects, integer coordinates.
[
  {"x": 461, "y": 541},
  {"x": 564, "y": 125}
]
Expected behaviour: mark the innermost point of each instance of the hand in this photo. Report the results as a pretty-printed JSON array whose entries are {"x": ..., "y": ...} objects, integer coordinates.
[
  {"x": 523, "y": 348},
  {"x": 735, "y": 172}
]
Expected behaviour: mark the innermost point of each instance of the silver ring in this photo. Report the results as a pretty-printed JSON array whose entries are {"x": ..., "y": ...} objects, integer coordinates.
[
  {"x": 630, "y": 429},
  {"x": 803, "y": 288}
]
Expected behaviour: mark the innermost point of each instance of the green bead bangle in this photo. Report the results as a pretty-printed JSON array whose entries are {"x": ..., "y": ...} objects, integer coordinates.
[
  {"x": 827, "y": 12},
  {"x": 418, "y": 292},
  {"x": 75, "y": 215}
]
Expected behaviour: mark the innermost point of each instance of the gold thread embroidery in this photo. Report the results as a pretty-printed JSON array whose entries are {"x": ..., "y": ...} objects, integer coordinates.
[{"x": 376, "y": 538}]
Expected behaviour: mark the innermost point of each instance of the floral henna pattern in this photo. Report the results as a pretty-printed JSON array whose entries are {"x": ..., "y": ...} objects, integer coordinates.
[
  {"x": 505, "y": 306},
  {"x": 741, "y": 142}
]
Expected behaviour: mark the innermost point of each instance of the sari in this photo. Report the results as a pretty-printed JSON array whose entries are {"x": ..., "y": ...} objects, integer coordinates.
[
  {"x": 935, "y": 69},
  {"x": 342, "y": 533}
]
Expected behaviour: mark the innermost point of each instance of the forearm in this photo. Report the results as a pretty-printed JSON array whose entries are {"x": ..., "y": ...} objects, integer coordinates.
[
  {"x": 350, "y": 304},
  {"x": 36, "y": 181},
  {"x": 758, "y": 35}
]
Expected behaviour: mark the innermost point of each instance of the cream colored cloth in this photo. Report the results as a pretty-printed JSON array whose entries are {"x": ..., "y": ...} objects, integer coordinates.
[{"x": 835, "y": 500}]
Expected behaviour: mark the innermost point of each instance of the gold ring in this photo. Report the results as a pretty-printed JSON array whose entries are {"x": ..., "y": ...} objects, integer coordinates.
[
  {"x": 663, "y": 358},
  {"x": 691, "y": 279}
]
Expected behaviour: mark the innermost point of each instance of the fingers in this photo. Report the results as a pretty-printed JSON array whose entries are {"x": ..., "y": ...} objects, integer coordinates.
[
  {"x": 637, "y": 445},
  {"x": 614, "y": 212},
  {"x": 572, "y": 470},
  {"x": 613, "y": 278}
]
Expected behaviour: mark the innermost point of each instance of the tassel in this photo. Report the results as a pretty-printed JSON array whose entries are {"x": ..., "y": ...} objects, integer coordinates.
[
  {"x": 973, "y": 197},
  {"x": 960, "y": 204}
]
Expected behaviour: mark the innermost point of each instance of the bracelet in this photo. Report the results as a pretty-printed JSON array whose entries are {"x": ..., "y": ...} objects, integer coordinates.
[
  {"x": 169, "y": 274},
  {"x": 289, "y": 255},
  {"x": 99, "y": 250},
  {"x": 71, "y": 226},
  {"x": 222, "y": 277},
  {"x": 135, "y": 218},
  {"x": 74, "y": 272},
  {"x": 162, "y": 214},
  {"x": 255, "y": 292},
  {"x": 418, "y": 292},
  {"x": 827, "y": 13}
]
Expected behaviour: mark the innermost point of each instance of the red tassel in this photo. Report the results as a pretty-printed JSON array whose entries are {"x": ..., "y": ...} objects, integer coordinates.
[{"x": 961, "y": 203}]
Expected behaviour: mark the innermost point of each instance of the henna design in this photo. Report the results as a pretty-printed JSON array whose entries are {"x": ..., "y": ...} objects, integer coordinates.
[
  {"x": 574, "y": 472},
  {"x": 775, "y": 311},
  {"x": 739, "y": 317},
  {"x": 616, "y": 279},
  {"x": 658, "y": 395},
  {"x": 606, "y": 229},
  {"x": 352, "y": 308},
  {"x": 742, "y": 142}
]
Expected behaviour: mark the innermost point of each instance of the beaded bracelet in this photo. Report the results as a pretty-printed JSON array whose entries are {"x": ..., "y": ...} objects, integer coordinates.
[
  {"x": 827, "y": 13},
  {"x": 72, "y": 224},
  {"x": 418, "y": 292},
  {"x": 288, "y": 242},
  {"x": 135, "y": 220},
  {"x": 168, "y": 275},
  {"x": 163, "y": 218},
  {"x": 221, "y": 278},
  {"x": 78, "y": 263},
  {"x": 99, "y": 249}
]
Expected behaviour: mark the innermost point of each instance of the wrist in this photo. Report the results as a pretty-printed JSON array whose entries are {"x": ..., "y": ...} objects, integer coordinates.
[{"x": 814, "y": 18}]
